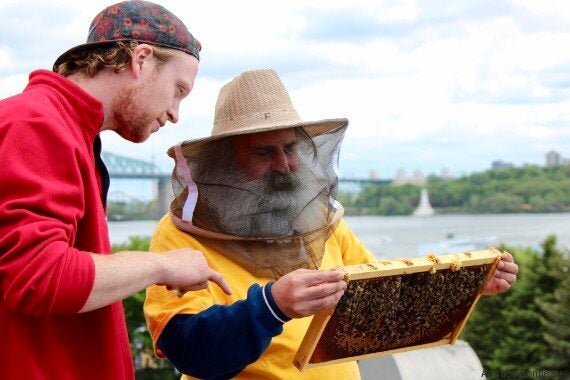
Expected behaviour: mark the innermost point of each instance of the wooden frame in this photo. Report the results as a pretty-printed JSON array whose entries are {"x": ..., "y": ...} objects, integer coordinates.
[{"x": 318, "y": 348}]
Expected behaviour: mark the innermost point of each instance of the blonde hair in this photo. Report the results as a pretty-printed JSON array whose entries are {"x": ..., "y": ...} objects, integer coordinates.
[{"x": 117, "y": 57}]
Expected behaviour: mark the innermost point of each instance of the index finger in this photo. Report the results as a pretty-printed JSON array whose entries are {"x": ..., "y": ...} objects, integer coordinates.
[
  {"x": 321, "y": 276},
  {"x": 217, "y": 278}
]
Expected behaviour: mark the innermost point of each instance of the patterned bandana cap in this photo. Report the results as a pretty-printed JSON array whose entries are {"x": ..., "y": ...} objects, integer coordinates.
[{"x": 140, "y": 21}]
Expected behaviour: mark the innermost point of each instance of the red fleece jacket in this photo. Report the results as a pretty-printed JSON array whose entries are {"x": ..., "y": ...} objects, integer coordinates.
[{"x": 51, "y": 217}]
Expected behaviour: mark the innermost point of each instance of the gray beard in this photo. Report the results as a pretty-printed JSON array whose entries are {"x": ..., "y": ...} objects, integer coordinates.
[{"x": 273, "y": 206}]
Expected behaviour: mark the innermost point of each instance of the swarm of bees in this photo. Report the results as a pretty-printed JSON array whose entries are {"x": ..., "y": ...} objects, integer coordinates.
[
  {"x": 416, "y": 303},
  {"x": 388, "y": 312}
]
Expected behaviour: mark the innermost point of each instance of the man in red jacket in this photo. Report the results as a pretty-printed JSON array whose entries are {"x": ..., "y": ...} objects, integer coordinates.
[{"x": 60, "y": 307}]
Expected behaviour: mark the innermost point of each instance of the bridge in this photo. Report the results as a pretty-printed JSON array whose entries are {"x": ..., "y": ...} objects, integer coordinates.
[{"x": 130, "y": 168}]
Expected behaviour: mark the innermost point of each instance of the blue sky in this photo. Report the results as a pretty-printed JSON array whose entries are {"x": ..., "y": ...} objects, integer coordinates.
[{"x": 426, "y": 85}]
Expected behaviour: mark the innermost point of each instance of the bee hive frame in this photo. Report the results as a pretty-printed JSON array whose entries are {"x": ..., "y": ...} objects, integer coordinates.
[{"x": 338, "y": 334}]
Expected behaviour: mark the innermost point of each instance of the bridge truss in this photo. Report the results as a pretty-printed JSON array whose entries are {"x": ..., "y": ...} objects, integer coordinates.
[{"x": 127, "y": 167}]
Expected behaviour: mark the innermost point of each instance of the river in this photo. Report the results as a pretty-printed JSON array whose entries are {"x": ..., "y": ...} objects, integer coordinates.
[{"x": 408, "y": 236}]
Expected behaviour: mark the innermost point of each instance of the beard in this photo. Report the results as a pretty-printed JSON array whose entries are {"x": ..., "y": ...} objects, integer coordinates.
[
  {"x": 131, "y": 120},
  {"x": 274, "y": 206}
]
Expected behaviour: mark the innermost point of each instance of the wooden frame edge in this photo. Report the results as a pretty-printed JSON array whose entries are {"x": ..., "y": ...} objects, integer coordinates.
[
  {"x": 440, "y": 342},
  {"x": 397, "y": 267}
]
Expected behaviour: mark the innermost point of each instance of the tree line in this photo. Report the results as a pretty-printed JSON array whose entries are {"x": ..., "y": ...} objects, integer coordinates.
[{"x": 511, "y": 190}]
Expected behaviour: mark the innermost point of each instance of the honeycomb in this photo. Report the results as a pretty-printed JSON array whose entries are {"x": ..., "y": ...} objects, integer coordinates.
[
  {"x": 386, "y": 313},
  {"x": 406, "y": 308}
]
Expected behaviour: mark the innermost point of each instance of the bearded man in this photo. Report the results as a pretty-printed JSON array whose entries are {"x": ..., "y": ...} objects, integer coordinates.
[{"x": 258, "y": 198}]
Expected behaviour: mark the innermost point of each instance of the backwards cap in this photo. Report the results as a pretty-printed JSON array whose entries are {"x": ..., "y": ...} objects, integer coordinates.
[{"x": 139, "y": 21}]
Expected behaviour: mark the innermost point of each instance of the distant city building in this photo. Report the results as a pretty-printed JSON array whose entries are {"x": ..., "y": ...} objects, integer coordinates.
[
  {"x": 417, "y": 178},
  {"x": 553, "y": 158},
  {"x": 400, "y": 177},
  {"x": 373, "y": 175},
  {"x": 446, "y": 173},
  {"x": 500, "y": 164}
]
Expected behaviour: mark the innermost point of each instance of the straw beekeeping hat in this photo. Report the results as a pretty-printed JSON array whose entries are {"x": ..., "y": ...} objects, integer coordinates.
[
  {"x": 276, "y": 242},
  {"x": 257, "y": 101}
]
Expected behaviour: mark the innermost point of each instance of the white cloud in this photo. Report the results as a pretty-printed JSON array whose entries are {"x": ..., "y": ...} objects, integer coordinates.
[
  {"x": 12, "y": 84},
  {"x": 6, "y": 61},
  {"x": 424, "y": 84}
]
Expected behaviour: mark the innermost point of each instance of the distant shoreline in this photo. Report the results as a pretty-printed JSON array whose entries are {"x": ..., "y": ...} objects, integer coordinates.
[{"x": 403, "y": 236}]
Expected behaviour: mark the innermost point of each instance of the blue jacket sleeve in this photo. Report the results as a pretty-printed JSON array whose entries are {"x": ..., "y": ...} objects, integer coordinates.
[{"x": 219, "y": 342}]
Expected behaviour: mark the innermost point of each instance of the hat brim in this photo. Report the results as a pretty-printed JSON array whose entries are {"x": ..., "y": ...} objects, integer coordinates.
[
  {"x": 78, "y": 49},
  {"x": 313, "y": 128},
  {"x": 91, "y": 45}
]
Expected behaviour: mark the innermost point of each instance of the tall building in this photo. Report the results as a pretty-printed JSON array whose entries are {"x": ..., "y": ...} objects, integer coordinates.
[
  {"x": 418, "y": 178},
  {"x": 500, "y": 164},
  {"x": 400, "y": 177},
  {"x": 553, "y": 158}
]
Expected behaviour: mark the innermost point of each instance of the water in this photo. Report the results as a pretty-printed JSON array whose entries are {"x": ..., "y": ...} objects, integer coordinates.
[
  {"x": 405, "y": 236},
  {"x": 401, "y": 236}
]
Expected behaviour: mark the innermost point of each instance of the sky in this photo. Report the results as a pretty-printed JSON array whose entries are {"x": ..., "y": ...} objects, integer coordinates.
[{"x": 426, "y": 85}]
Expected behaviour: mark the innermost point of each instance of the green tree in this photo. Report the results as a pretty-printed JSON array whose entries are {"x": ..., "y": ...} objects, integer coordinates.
[
  {"x": 555, "y": 317},
  {"x": 501, "y": 202},
  {"x": 489, "y": 330},
  {"x": 485, "y": 326},
  {"x": 528, "y": 189},
  {"x": 509, "y": 332},
  {"x": 524, "y": 346}
]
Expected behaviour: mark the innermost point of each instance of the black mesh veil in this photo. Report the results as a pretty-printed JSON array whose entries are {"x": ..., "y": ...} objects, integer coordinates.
[{"x": 266, "y": 230}]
